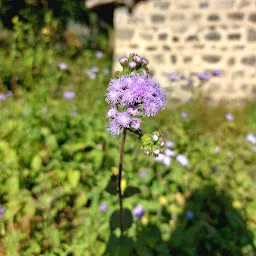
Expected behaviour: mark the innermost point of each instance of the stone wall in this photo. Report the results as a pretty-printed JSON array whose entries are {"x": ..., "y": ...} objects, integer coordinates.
[{"x": 192, "y": 36}]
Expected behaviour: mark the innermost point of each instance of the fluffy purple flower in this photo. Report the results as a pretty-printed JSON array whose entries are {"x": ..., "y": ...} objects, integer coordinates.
[
  {"x": 204, "y": 76},
  {"x": 2, "y": 97},
  {"x": 111, "y": 112},
  {"x": 250, "y": 137},
  {"x": 135, "y": 123},
  {"x": 181, "y": 159},
  {"x": 139, "y": 94},
  {"x": 132, "y": 64},
  {"x": 190, "y": 215},
  {"x": 167, "y": 161},
  {"x": 99, "y": 54},
  {"x": 123, "y": 119},
  {"x": 103, "y": 207},
  {"x": 123, "y": 60},
  {"x": 138, "y": 211},
  {"x": 229, "y": 117},
  {"x": 63, "y": 66},
  {"x": 184, "y": 115},
  {"x": 216, "y": 73},
  {"x": 69, "y": 95},
  {"x": 2, "y": 210}
]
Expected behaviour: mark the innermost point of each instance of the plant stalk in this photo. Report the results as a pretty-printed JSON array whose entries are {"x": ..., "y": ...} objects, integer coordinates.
[{"x": 120, "y": 180}]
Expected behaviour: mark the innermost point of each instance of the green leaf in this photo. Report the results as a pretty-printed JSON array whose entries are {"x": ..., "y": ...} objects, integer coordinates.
[
  {"x": 115, "y": 219},
  {"x": 111, "y": 187},
  {"x": 131, "y": 191},
  {"x": 73, "y": 178}
]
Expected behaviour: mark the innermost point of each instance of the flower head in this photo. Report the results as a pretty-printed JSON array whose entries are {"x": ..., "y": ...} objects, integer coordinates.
[
  {"x": 250, "y": 137},
  {"x": 143, "y": 173},
  {"x": 216, "y": 73},
  {"x": 99, "y": 54},
  {"x": 181, "y": 159},
  {"x": 63, "y": 66},
  {"x": 204, "y": 76},
  {"x": 132, "y": 64},
  {"x": 229, "y": 117},
  {"x": 184, "y": 115},
  {"x": 69, "y": 95},
  {"x": 2, "y": 97},
  {"x": 103, "y": 207},
  {"x": 138, "y": 211},
  {"x": 190, "y": 215},
  {"x": 111, "y": 112},
  {"x": 2, "y": 210},
  {"x": 123, "y": 60},
  {"x": 134, "y": 95}
]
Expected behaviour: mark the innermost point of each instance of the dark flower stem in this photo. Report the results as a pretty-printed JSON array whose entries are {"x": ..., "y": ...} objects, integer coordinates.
[{"x": 120, "y": 180}]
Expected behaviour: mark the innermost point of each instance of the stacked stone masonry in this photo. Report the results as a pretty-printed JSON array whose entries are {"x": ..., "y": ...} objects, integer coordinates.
[{"x": 189, "y": 36}]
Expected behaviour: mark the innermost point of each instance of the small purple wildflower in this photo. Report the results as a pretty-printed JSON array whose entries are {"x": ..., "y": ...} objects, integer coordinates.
[
  {"x": 2, "y": 210},
  {"x": 143, "y": 173},
  {"x": 170, "y": 144},
  {"x": 190, "y": 215},
  {"x": 69, "y": 95},
  {"x": 250, "y": 137},
  {"x": 103, "y": 207},
  {"x": 159, "y": 158},
  {"x": 216, "y": 73},
  {"x": 94, "y": 69},
  {"x": 73, "y": 112},
  {"x": 138, "y": 211},
  {"x": 114, "y": 128},
  {"x": 99, "y": 54},
  {"x": 184, "y": 115},
  {"x": 132, "y": 64},
  {"x": 2, "y": 97},
  {"x": 167, "y": 161},
  {"x": 9, "y": 93},
  {"x": 204, "y": 76},
  {"x": 90, "y": 74},
  {"x": 169, "y": 152},
  {"x": 229, "y": 117},
  {"x": 182, "y": 160},
  {"x": 63, "y": 66}
]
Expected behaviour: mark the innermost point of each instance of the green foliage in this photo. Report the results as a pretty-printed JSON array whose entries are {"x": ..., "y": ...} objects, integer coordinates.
[{"x": 57, "y": 167}]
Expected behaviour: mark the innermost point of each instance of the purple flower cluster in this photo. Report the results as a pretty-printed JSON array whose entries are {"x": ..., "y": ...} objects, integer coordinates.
[
  {"x": 91, "y": 72},
  {"x": 131, "y": 98}
]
